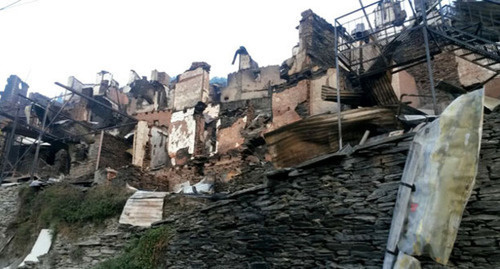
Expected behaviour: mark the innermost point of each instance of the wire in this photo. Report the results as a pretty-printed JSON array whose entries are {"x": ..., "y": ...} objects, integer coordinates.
[
  {"x": 14, "y": 4},
  {"x": 10, "y": 5}
]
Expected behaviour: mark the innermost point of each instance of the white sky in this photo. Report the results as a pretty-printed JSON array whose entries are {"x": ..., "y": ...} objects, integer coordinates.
[{"x": 49, "y": 40}]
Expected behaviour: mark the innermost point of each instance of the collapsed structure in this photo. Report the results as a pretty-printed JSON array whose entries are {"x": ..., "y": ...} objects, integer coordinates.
[{"x": 379, "y": 74}]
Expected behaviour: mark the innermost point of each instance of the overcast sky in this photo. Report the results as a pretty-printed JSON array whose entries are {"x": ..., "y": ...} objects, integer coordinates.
[{"x": 44, "y": 41}]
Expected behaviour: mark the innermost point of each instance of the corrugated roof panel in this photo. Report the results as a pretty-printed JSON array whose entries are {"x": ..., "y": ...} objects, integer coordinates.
[
  {"x": 318, "y": 135},
  {"x": 143, "y": 208}
]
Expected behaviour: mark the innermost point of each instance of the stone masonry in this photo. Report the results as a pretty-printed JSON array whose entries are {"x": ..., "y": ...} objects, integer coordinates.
[
  {"x": 9, "y": 204},
  {"x": 333, "y": 214}
]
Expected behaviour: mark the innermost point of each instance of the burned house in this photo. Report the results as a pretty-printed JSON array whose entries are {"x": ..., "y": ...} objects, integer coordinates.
[{"x": 347, "y": 132}]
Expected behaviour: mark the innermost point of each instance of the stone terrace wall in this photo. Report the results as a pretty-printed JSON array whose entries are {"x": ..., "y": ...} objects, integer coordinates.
[
  {"x": 9, "y": 204},
  {"x": 478, "y": 241},
  {"x": 96, "y": 244},
  {"x": 334, "y": 215},
  {"x": 331, "y": 214}
]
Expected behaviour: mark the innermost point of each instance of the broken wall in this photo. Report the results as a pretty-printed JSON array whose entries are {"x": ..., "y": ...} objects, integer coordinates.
[
  {"x": 181, "y": 136},
  {"x": 316, "y": 48},
  {"x": 251, "y": 84},
  {"x": 117, "y": 97},
  {"x": 404, "y": 83},
  {"x": 291, "y": 104},
  {"x": 192, "y": 87},
  {"x": 444, "y": 68},
  {"x": 155, "y": 118},
  {"x": 316, "y": 104},
  {"x": 113, "y": 155},
  {"x": 235, "y": 117},
  {"x": 295, "y": 102},
  {"x": 14, "y": 86},
  {"x": 150, "y": 146},
  {"x": 79, "y": 108},
  {"x": 207, "y": 123}
]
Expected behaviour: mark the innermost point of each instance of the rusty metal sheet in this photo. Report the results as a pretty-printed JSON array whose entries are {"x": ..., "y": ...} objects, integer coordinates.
[
  {"x": 346, "y": 97},
  {"x": 318, "y": 135},
  {"x": 143, "y": 208},
  {"x": 379, "y": 90}
]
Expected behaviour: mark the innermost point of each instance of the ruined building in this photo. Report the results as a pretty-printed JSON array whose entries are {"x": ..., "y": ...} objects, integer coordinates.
[{"x": 380, "y": 122}]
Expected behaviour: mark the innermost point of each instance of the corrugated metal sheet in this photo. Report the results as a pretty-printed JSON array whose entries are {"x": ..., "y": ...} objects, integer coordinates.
[
  {"x": 379, "y": 89},
  {"x": 143, "y": 208},
  {"x": 346, "y": 97},
  {"x": 318, "y": 135}
]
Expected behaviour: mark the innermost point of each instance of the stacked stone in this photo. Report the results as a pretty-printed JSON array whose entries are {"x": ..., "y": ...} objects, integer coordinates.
[
  {"x": 478, "y": 239},
  {"x": 9, "y": 204},
  {"x": 333, "y": 214},
  {"x": 100, "y": 243}
]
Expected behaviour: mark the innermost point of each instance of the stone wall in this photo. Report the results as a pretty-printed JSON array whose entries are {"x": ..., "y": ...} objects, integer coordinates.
[
  {"x": 9, "y": 204},
  {"x": 100, "y": 243},
  {"x": 333, "y": 214},
  {"x": 478, "y": 241}
]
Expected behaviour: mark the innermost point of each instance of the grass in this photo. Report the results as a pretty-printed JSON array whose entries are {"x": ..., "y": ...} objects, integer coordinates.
[
  {"x": 142, "y": 253},
  {"x": 64, "y": 207}
]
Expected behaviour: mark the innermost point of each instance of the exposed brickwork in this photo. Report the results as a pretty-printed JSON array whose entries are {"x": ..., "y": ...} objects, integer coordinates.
[
  {"x": 162, "y": 118},
  {"x": 444, "y": 68}
]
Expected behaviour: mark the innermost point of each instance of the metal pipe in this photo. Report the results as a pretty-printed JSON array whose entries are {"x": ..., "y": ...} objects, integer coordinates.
[
  {"x": 352, "y": 12},
  {"x": 57, "y": 114},
  {"x": 42, "y": 132},
  {"x": 366, "y": 16},
  {"x": 34, "y": 166},
  {"x": 364, "y": 138},
  {"x": 9, "y": 144},
  {"x": 99, "y": 151},
  {"x": 53, "y": 110},
  {"x": 428, "y": 58},
  {"x": 337, "y": 73},
  {"x": 440, "y": 11},
  {"x": 95, "y": 131}
]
